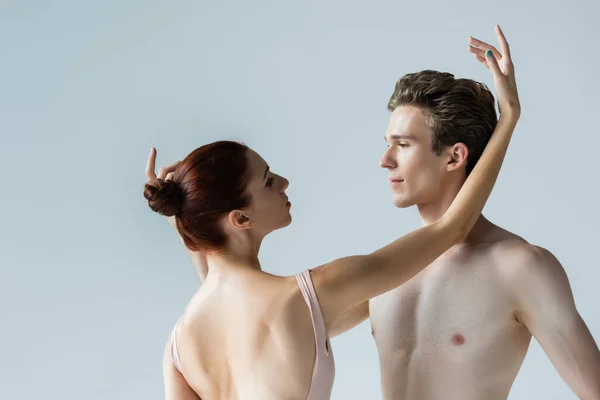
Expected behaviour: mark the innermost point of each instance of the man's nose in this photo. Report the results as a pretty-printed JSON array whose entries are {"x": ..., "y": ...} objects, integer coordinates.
[{"x": 387, "y": 161}]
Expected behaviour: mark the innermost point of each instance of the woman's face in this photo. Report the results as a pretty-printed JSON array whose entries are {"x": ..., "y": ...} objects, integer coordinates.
[{"x": 269, "y": 208}]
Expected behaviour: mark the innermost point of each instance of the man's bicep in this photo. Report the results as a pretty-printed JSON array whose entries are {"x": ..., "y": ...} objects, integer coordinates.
[
  {"x": 543, "y": 291},
  {"x": 547, "y": 308}
]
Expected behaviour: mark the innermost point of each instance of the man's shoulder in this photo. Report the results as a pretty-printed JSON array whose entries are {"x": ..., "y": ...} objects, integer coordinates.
[
  {"x": 502, "y": 243},
  {"x": 517, "y": 258},
  {"x": 516, "y": 249}
]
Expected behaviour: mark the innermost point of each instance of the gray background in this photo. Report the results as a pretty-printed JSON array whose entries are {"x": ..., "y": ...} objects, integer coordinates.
[{"x": 92, "y": 281}]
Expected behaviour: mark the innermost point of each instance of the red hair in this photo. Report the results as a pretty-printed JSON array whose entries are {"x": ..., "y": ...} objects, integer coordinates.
[{"x": 208, "y": 184}]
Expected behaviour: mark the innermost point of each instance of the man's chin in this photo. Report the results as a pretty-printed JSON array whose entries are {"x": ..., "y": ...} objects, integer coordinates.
[{"x": 403, "y": 202}]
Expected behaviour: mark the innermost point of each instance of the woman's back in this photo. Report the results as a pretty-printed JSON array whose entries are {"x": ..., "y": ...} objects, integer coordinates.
[{"x": 247, "y": 334}]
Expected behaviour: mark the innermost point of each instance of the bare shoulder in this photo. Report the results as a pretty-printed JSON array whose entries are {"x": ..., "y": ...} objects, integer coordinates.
[
  {"x": 284, "y": 295},
  {"x": 518, "y": 260}
]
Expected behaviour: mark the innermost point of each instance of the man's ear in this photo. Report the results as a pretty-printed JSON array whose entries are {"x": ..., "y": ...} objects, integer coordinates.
[{"x": 458, "y": 155}]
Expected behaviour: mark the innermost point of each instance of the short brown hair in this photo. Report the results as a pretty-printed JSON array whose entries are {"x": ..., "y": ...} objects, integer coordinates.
[{"x": 456, "y": 110}]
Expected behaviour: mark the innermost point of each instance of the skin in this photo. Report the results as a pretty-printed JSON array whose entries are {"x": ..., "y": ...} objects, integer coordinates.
[
  {"x": 460, "y": 329},
  {"x": 245, "y": 326}
]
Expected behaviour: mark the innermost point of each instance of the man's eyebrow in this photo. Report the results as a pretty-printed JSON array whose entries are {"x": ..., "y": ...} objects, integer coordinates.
[{"x": 400, "y": 137}]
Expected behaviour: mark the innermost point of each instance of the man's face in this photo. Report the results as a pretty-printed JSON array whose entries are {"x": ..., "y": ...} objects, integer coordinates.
[{"x": 416, "y": 173}]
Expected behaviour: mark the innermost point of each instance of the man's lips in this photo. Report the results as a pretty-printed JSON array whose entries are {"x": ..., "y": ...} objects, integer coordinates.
[{"x": 395, "y": 182}]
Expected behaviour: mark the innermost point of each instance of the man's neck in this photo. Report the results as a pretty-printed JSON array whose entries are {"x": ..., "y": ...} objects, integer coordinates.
[{"x": 433, "y": 211}]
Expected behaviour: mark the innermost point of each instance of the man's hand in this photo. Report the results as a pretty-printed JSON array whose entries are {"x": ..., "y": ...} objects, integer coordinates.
[{"x": 502, "y": 67}]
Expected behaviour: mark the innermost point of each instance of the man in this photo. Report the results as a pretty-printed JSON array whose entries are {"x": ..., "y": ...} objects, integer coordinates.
[{"x": 461, "y": 328}]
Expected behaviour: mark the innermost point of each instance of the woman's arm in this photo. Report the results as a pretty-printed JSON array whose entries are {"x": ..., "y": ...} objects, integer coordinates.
[
  {"x": 348, "y": 282},
  {"x": 176, "y": 387}
]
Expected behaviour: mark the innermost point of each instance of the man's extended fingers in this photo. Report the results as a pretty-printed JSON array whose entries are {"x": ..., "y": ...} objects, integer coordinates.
[
  {"x": 150, "y": 166},
  {"x": 483, "y": 45},
  {"x": 503, "y": 43}
]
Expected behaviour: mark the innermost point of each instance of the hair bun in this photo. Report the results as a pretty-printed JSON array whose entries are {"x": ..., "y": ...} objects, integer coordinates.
[{"x": 164, "y": 197}]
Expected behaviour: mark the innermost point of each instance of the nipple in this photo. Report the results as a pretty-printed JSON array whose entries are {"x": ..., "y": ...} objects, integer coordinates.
[{"x": 458, "y": 339}]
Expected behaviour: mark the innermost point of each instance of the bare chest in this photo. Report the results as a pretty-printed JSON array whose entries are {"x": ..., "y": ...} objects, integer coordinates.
[{"x": 455, "y": 303}]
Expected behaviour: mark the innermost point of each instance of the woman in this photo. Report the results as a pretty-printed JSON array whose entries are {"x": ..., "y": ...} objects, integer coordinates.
[{"x": 247, "y": 334}]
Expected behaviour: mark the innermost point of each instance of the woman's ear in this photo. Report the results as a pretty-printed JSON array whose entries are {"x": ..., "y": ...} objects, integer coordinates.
[{"x": 239, "y": 219}]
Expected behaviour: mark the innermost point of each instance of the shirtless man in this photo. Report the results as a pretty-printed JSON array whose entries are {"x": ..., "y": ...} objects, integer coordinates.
[{"x": 461, "y": 328}]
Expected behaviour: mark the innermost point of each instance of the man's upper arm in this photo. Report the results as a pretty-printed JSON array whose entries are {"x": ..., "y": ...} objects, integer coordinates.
[
  {"x": 546, "y": 306},
  {"x": 176, "y": 387}
]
